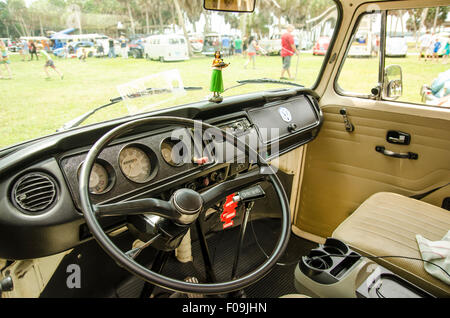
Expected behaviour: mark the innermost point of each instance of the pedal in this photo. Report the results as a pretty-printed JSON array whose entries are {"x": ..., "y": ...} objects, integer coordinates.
[{"x": 193, "y": 280}]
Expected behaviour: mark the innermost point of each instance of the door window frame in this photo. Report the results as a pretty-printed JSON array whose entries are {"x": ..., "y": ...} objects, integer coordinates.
[
  {"x": 381, "y": 57},
  {"x": 384, "y": 8}
]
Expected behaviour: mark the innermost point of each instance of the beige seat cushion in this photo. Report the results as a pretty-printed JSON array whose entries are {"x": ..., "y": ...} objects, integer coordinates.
[{"x": 387, "y": 224}]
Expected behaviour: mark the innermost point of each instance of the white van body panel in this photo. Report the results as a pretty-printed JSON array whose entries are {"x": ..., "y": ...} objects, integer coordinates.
[{"x": 166, "y": 48}]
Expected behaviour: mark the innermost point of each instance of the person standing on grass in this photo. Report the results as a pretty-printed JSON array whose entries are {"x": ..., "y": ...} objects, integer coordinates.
[
  {"x": 446, "y": 53},
  {"x": 287, "y": 50},
  {"x": 111, "y": 52},
  {"x": 50, "y": 63},
  {"x": 425, "y": 42},
  {"x": 83, "y": 55},
  {"x": 4, "y": 59},
  {"x": 238, "y": 46},
  {"x": 253, "y": 47},
  {"x": 24, "y": 51},
  {"x": 436, "y": 47},
  {"x": 33, "y": 50},
  {"x": 123, "y": 47},
  {"x": 245, "y": 46}
]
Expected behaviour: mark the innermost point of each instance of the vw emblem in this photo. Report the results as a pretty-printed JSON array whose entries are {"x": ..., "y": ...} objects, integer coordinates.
[{"x": 285, "y": 114}]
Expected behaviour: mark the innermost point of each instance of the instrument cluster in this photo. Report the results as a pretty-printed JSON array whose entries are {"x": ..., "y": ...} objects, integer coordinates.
[{"x": 126, "y": 167}]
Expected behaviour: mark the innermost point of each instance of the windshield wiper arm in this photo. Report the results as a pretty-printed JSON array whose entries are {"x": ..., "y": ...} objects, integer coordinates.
[
  {"x": 264, "y": 80},
  {"x": 149, "y": 91}
]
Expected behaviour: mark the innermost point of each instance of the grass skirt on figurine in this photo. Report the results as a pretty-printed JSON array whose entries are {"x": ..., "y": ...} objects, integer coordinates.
[{"x": 216, "y": 81}]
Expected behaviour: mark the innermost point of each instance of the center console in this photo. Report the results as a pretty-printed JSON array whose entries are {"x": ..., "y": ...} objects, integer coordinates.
[{"x": 334, "y": 270}]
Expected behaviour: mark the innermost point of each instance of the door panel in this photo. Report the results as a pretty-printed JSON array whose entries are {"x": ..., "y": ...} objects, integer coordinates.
[{"x": 342, "y": 168}]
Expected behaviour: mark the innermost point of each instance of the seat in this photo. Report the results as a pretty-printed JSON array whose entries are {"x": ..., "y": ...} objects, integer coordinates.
[{"x": 387, "y": 224}]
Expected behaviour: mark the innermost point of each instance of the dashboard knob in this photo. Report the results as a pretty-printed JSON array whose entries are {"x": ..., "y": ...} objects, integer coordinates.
[
  {"x": 292, "y": 127},
  {"x": 192, "y": 186},
  {"x": 220, "y": 177},
  {"x": 213, "y": 176}
]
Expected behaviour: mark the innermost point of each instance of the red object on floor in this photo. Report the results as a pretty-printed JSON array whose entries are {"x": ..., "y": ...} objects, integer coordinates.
[{"x": 229, "y": 212}]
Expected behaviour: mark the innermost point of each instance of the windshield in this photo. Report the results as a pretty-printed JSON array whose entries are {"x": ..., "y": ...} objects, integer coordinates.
[{"x": 70, "y": 57}]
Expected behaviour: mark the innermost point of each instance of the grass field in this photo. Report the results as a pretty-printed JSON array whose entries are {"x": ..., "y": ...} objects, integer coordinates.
[{"x": 31, "y": 106}]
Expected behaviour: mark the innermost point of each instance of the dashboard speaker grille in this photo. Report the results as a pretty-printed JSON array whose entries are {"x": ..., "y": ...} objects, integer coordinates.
[{"x": 34, "y": 192}]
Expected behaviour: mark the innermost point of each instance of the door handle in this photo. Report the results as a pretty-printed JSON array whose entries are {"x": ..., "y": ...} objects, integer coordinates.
[
  {"x": 398, "y": 137},
  {"x": 401, "y": 155}
]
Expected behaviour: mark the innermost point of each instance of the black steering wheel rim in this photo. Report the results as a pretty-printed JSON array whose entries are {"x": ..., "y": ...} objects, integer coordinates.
[{"x": 158, "y": 279}]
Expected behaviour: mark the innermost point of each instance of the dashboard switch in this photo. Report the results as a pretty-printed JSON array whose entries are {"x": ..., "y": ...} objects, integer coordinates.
[{"x": 201, "y": 161}]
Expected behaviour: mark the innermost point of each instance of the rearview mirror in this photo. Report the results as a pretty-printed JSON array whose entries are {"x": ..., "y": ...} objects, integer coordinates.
[
  {"x": 393, "y": 85},
  {"x": 230, "y": 5}
]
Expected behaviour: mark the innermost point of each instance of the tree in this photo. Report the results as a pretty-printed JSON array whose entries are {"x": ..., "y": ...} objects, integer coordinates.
[
  {"x": 413, "y": 24},
  {"x": 193, "y": 10},
  {"x": 17, "y": 10},
  {"x": 183, "y": 25}
]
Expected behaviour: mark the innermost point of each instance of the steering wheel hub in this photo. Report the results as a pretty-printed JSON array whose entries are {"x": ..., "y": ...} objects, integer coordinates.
[{"x": 188, "y": 203}]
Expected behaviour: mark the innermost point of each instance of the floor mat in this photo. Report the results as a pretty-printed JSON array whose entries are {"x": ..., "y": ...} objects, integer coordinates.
[{"x": 223, "y": 246}]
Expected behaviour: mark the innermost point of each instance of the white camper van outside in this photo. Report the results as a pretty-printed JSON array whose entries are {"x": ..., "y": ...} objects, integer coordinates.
[
  {"x": 363, "y": 39},
  {"x": 166, "y": 48}
]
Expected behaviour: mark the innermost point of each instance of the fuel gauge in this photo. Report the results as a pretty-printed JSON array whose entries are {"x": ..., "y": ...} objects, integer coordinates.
[{"x": 99, "y": 179}]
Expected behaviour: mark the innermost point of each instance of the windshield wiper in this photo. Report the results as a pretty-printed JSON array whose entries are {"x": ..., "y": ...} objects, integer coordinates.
[
  {"x": 264, "y": 80},
  {"x": 149, "y": 91}
]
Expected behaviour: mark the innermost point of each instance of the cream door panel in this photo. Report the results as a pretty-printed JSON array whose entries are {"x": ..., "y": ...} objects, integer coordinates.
[{"x": 342, "y": 169}]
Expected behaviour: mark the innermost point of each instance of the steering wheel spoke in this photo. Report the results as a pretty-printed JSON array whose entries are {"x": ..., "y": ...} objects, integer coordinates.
[
  {"x": 183, "y": 207},
  {"x": 152, "y": 206}
]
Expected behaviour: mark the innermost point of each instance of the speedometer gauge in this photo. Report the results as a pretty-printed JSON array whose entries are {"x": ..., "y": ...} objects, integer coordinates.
[{"x": 135, "y": 164}]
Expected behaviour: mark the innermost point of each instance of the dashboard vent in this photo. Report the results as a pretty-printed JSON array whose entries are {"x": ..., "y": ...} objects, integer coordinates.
[{"x": 34, "y": 192}]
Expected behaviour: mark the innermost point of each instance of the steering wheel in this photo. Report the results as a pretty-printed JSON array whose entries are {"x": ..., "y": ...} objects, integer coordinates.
[{"x": 183, "y": 208}]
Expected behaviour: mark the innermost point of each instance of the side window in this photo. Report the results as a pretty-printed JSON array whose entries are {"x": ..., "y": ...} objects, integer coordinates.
[
  {"x": 418, "y": 41},
  {"x": 359, "y": 73}
]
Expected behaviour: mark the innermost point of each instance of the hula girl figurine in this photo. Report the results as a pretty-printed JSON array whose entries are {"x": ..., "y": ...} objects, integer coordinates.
[{"x": 216, "y": 78}]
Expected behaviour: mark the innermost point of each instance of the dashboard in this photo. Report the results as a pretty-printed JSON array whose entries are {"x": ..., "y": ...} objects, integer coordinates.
[{"x": 40, "y": 206}]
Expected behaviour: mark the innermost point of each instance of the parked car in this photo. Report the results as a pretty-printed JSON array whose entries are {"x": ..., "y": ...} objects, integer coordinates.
[
  {"x": 13, "y": 47},
  {"x": 196, "y": 43},
  {"x": 7, "y": 42},
  {"x": 72, "y": 48},
  {"x": 211, "y": 43},
  {"x": 396, "y": 46},
  {"x": 272, "y": 45},
  {"x": 321, "y": 46},
  {"x": 136, "y": 48},
  {"x": 166, "y": 48}
]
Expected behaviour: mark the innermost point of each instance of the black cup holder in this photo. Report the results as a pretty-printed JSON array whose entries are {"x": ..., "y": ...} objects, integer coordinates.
[
  {"x": 335, "y": 247},
  {"x": 327, "y": 263},
  {"x": 318, "y": 260}
]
